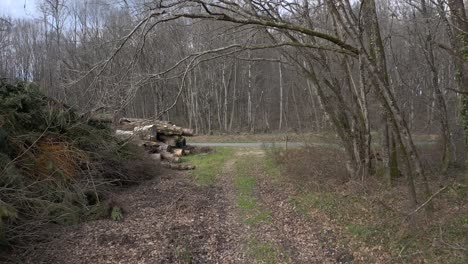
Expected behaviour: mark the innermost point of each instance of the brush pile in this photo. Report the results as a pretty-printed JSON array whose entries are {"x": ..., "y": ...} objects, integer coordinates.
[
  {"x": 162, "y": 140},
  {"x": 55, "y": 167}
]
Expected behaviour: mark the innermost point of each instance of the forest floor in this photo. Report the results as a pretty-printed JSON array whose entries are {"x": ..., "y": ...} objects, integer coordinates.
[
  {"x": 232, "y": 209},
  {"x": 241, "y": 206}
]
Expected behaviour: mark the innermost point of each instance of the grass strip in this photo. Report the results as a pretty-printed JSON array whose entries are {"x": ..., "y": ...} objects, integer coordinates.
[{"x": 208, "y": 165}]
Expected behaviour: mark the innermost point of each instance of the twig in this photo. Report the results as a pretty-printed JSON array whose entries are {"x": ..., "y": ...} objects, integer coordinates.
[
  {"x": 428, "y": 200},
  {"x": 457, "y": 91},
  {"x": 24, "y": 152}
]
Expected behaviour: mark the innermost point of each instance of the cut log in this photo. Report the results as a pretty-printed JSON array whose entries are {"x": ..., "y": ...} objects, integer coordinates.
[
  {"x": 169, "y": 140},
  {"x": 163, "y": 147},
  {"x": 148, "y": 132},
  {"x": 178, "y": 166},
  {"x": 101, "y": 118},
  {"x": 162, "y": 127},
  {"x": 175, "y": 141},
  {"x": 168, "y": 129},
  {"x": 128, "y": 120},
  {"x": 188, "y": 132},
  {"x": 147, "y": 143},
  {"x": 182, "y": 143},
  {"x": 170, "y": 157},
  {"x": 178, "y": 152},
  {"x": 153, "y": 146},
  {"x": 155, "y": 156},
  {"x": 124, "y": 134},
  {"x": 149, "y": 146}
]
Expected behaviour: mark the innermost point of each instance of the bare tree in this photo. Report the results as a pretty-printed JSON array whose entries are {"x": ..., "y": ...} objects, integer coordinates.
[{"x": 376, "y": 72}]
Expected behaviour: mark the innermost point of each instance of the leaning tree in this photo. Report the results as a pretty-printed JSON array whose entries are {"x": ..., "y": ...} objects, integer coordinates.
[{"x": 336, "y": 44}]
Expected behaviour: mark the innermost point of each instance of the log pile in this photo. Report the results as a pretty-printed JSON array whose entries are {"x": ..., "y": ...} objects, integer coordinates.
[{"x": 162, "y": 140}]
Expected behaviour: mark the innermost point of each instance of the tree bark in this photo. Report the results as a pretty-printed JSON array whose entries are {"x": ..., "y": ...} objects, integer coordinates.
[
  {"x": 448, "y": 153},
  {"x": 280, "y": 125},
  {"x": 460, "y": 45}
]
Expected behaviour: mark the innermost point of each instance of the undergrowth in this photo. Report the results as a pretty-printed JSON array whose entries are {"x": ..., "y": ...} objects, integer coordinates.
[{"x": 373, "y": 215}]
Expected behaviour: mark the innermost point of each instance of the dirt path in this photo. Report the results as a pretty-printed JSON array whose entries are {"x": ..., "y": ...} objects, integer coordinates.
[
  {"x": 294, "y": 237},
  {"x": 175, "y": 221},
  {"x": 307, "y": 239}
]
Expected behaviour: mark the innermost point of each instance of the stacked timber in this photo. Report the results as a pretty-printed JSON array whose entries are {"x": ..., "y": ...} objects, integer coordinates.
[{"x": 162, "y": 140}]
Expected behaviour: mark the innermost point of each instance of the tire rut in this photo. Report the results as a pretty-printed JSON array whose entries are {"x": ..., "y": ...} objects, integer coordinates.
[
  {"x": 168, "y": 221},
  {"x": 231, "y": 217},
  {"x": 302, "y": 239},
  {"x": 172, "y": 220}
]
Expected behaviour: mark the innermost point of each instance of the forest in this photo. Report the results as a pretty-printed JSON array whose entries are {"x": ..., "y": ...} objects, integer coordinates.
[{"x": 386, "y": 81}]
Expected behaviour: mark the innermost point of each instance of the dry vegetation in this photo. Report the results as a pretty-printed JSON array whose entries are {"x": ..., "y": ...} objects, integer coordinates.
[
  {"x": 372, "y": 215},
  {"x": 55, "y": 168}
]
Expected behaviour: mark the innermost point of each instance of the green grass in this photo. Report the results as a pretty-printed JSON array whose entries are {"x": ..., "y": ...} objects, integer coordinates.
[
  {"x": 245, "y": 183},
  {"x": 352, "y": 212},
  {"x": 263, "y": 252},
  {"x": 183, "y": 254},
  {"x": 208, "y": 165},
  {"x": 325, "y": 202},
  {"x": 259, "y": 217},
  {"x": 272, "y": 168},
  {"x": 253, "y": 212},
  {"x": 364, "y": 232}
]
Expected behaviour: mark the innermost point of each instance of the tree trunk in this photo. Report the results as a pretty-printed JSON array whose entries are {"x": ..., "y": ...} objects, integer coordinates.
[
  {"x": 376, "y": 64},
  {"x": 281, "y": 95},
  {"x": 460, "y": 44},
  {"x": 234, "y": 98},
  {"x": 447, "y": 157}
]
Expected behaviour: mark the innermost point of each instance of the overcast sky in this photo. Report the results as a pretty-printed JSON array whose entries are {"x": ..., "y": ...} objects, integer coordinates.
[{"x": 18, "y": 8}]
